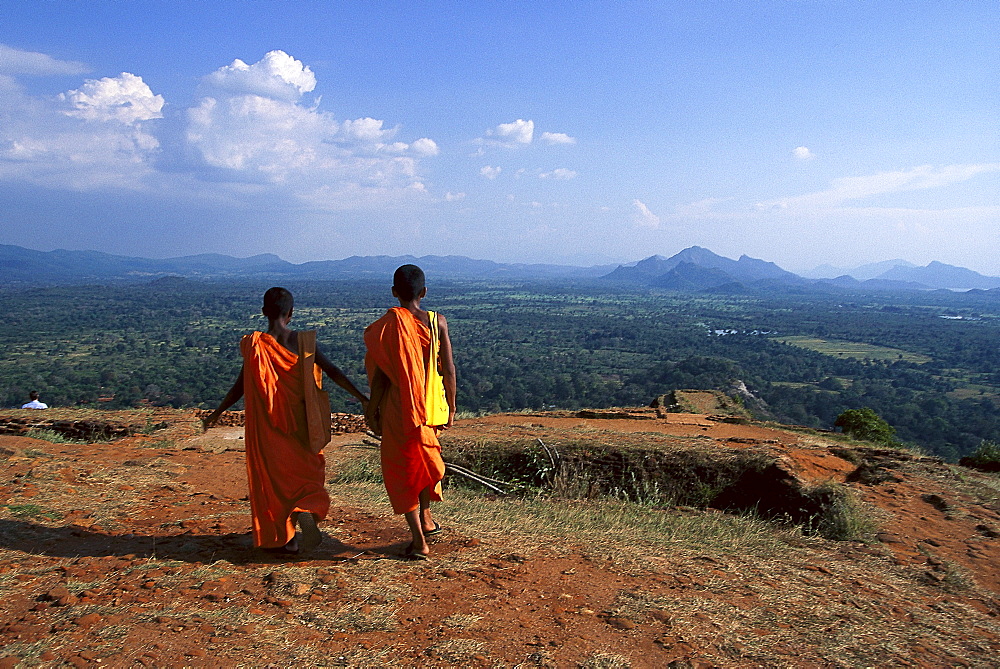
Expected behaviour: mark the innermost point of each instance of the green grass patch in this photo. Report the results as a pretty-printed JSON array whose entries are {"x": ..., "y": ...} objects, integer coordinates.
[
  {"x": 32, "y": 511},
  {"x": 856, "y": 350},
  {"x": 51, "y": 436}
]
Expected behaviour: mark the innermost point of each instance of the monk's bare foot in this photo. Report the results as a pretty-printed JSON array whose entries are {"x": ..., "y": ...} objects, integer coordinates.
[
  {"x": 311, "y": 536},
  {"x": 413, "y": 553},
  {"x": 427, "y": 524}
]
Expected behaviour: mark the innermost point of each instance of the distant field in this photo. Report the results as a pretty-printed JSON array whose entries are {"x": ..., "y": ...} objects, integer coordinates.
[{"x": 855, "y": 350}]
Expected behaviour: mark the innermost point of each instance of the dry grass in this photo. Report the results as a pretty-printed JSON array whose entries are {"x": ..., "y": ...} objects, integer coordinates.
[
  {"x": 605, "y": 661},
  {"x": 610, "y": 527}
]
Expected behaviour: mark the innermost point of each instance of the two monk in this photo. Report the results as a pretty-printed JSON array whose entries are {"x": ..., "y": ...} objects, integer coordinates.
[
  {"x": 409, "y": 357},
  {"x": 287, "y": 425}
]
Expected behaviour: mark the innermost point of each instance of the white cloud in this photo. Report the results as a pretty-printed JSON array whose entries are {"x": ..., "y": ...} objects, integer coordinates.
[
  {"x": 513, "y": 134},
  {"x": 125, "y": 98},
  {"x": 249, "y": 130},
  {"x": 884, "y": 183},
  {"x": 425, "y": 147},
  {"x": 557, "y": 138},
  {"x": 644, "y": 217},
  {"x": 454, "y": 197},
  {"x": 560, "y": 173},
  {"x": 277, "y": 75},
  {"x": 365, "y": 130},
  {"x": 803, "y": 153},
  {"x": 16, "y": 61},
  {"x": 92, "y": 138},
  {"x": 490, "y": 172},
  {"x": 259, "y": 135},
  {"x": 253, "y": 126}
]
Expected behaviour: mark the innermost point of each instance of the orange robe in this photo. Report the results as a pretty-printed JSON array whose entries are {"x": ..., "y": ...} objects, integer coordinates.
[
  {"x": 398, "y": 344},
  {"x": 285, "y": 476}
]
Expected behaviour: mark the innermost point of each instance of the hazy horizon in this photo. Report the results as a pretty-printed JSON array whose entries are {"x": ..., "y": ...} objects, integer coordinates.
[{"x": 570, "y": 133}]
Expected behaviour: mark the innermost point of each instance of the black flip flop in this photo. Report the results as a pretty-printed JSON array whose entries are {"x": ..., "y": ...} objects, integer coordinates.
[
  {"x": 410, "y": 554},
  {"x": 437, "y": 530}
]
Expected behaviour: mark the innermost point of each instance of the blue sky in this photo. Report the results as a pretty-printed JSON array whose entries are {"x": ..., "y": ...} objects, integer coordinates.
[{"x": 800, "y": 132}]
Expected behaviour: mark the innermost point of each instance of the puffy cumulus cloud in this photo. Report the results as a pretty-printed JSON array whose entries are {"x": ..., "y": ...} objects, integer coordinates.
[
  {"x": 803, "y": 153},
  {"x": 247, "y": 126},
  {"x": 557, "y": 138},
  {"x": 252, "y": 126},
  {"x": 16, "y": 61},
  {"x": 512, "y": 134},
  {"x": 259, "y": 135},
  {"x": 643, "y": 217},
  {"x": 425, "y": 147},
  {"x": 277, "y": 75},
  {"x": 97, "y": 137},
  {"x": 454, "y": 197},
  {"x": 366, "y": 130},
  {"x": 125, "y": 98},
  {"x": 490, "y": 172},
  {"x": 560, "y": 173},
  {"x": 54, "y": 151},
  {"x": 884, "y": 183}
]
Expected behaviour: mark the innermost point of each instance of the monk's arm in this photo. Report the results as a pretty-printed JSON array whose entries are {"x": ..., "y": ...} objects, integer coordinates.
[
  {"x": 339, "y": 378},
  {"x": 447, "y": 368},
  {"x": 231, "y": 398},
  {"x": 379, "y": 385}
]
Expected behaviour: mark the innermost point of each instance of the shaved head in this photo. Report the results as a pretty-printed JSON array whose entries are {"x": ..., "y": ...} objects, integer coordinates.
[{"x": 408, "y": 281}]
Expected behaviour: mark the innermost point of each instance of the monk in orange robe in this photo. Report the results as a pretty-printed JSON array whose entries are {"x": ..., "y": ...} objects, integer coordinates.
[
  {"x": 399, "y": 349},
  {"x": 287, "y": 425}
]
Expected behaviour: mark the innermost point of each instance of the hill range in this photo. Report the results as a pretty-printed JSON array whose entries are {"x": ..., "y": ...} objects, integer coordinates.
[{"x": 693, "y": 269}]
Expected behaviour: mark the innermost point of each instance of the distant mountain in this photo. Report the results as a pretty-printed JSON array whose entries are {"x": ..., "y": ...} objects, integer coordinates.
[
  {"x": 697, "y": 268},
  {"x": 21, "y": 266},
  {"x": 939, "y": 275},
  {"x": 862, "y": 273},
  {"x": 693, "y": 269}
]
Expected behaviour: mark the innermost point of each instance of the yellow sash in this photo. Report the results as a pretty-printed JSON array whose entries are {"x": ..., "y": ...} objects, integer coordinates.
[
  {"x": 317, "y": 400},
  {"x": 436, "y": 403}
]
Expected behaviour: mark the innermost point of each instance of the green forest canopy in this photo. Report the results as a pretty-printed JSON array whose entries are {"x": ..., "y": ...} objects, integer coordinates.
[{"x": 539, "y": 345}]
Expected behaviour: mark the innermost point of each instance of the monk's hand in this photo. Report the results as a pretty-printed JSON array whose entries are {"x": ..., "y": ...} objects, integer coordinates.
[
  {"x": 208, "y": 422},
  {"x": 451, "y": 421}
]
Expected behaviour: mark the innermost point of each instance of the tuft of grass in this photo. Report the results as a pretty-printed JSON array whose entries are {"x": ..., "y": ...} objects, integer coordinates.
[
  {"x": 986, "y": 457},
  {"x": 366, "y": 469},
  {"x": 842, "y": 516},
  {"x": 51, "y": 436}
]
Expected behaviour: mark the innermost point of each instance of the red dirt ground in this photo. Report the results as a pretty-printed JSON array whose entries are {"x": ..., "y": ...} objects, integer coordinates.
[{"x": 137, "y": 553}]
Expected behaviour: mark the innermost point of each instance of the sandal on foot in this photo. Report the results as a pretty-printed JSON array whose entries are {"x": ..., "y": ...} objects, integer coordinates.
[
  {"x": 437, "y": 530},
  {"x": 411, "y": 554},
  {"x": 311, "y": 536}
]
